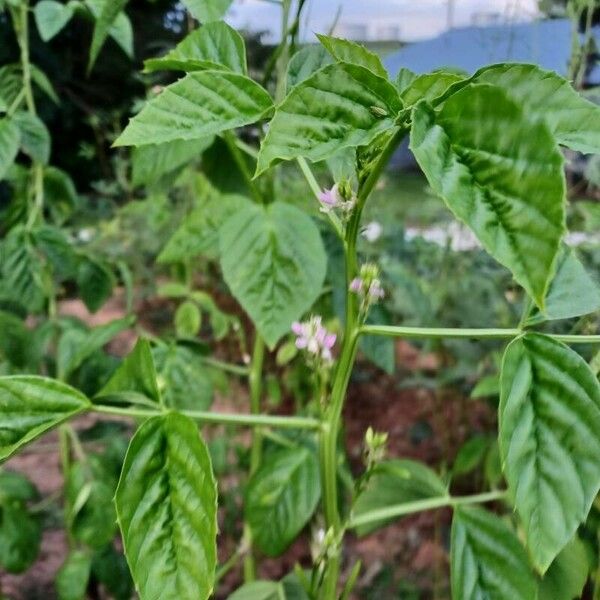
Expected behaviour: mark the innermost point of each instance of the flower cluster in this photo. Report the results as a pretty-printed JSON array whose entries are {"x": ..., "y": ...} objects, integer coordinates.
[
  {"x": 339, "y": 198},
  {"x": 367, "y": 286},
  {"x": 314, "y": 338}
]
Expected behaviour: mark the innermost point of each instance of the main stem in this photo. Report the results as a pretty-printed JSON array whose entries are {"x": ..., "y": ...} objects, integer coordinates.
[{"x": 331, "y": 426}]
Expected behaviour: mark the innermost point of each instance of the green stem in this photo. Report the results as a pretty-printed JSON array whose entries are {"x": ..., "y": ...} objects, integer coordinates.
[
  {"x": 255, "y": 381},
  {"x": 21, "y": 22},
  {"x": 331, "y": 428},
  {"x": 214, "y": 418},
  {"x": 226, "y": 367},
  {"x": 313, "y": 184},
  {"x": 65, "y": 464},
  {"x": 407, "y": 508},
  {"x": 474, "y": 334}
]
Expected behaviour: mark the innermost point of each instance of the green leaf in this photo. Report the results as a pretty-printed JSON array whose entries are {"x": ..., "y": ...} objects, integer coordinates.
[
  {"x": 404, "y": 78},
  {"x": 187, "y": 319},
  {"x": 167, "y": 509},
  {"x": 15, "y": 340},
  {"x": 281, "y": 497},
  {"x": 207, "y": 10},
  {"x": 350, "y": 52},
  {"x": 258, "y": 590},
  {"x": 305, "y": 62},
  {"x": 152, "y": 162},
  {"x": 573, "y": 120},
  {"x": 59, "y": 194},
  {"x": 51, "y": 17},
  {"x": 487, "y": 387},
  {"x": 35, "y": 137},
  {"x": 487, "y": 560},
  {"x": 72, "y": 578},
  {"x": 20, "y": 536},
  {"x": 198, "y": 234},
  {"x": 201, "y": 104},
  {"x": 428, "y": 87},
  {"x": 394, "y": 482},
  {"x": 105, "y": 18},
  {"x": 212, "y": 46},
  {"x": 567, "y": 574},
  {"x": 572, "y": 292},
  {"x": 91, "y": 513},
  {"x": 549, "y": 421},
  {"x": 274, "y": 262},
  {"x": 95, "y": 282},
  {"x": 30, "y": 406},
  {"x": 340, "y": 106},
  {"x": 184, "y": 381},
  {"x": 9, "y": 144},
  {"x": 41, "y": 80},
  {"x": 110, "y": 569},
  {"x": 470, "y": 455},
  {"x": 11, "y": 82},
  {"x": 136, "y": 373},
  {"x": 499, "y": 170},
  {"x": 76, "y": 345},
  {"x": 21, "y": 270},
  {"x": 15, "y": 486}
]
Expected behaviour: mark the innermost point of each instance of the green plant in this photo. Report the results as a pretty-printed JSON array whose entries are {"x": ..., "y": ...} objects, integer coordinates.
[{"x": 489, "y": 146}]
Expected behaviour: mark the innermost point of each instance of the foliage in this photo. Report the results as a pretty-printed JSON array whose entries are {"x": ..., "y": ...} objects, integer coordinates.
[{"x": 211, "y": 211}]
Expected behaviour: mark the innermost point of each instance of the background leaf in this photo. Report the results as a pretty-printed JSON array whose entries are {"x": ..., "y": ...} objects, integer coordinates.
[
  {"x": 274, "y": 262},
  {"x": 95, "y": 282},
  {"x": 549, "y": 421},
  {"x": 72, "y": 578},
  {"x": 207, "y": 10},
  {"x": 51, "y": 17},
  {"x": 9, "y": 144},
  {"x": 109, "y": 11},
  {"x": 258, "y": 590},
  {"x": 499, "y": 170},
  {"x": 567, "y": 574},
  {"x": 135, "y": 374},
  {"x": 572, "y": 292},
  {"x": 281, "y": 497},
  {"x": 20, "y": 537},
  {"x": 30, "y": 406},
  {"x": 394, "y": 482},
  {"x": 487, "y": 560},
  {"x": 167, "y": 508},
  {"x": 152, "y": 162},
  {"x": 185, "y": 383}
]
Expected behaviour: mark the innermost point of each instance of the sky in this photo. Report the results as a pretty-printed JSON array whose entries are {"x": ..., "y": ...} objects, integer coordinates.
[{"x": 414, "y": 19}]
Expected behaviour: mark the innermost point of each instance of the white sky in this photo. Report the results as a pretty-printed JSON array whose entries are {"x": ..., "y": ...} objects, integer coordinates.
[{"x": 417, "y": 19}]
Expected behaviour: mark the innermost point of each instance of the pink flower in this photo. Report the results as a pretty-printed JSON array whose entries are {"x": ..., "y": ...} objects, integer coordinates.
[
  {"x": 314, "y": 338},
  {"x": 356, "y": 285},
  {"x": 330, "y": 199},
  {"x": 376, "y": 291}
]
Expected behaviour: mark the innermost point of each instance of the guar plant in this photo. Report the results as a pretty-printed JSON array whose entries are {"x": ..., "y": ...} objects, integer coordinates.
[{"x": 489, "y": 145}]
